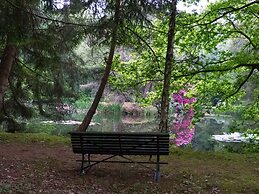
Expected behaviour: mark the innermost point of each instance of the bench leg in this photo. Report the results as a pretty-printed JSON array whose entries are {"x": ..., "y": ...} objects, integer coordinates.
[
  {"x": 84, "y": 168},
  {"x": 89, "y": 159},
  {"x": 82, "y": 164},
  {"x": 157, "y": 173}
]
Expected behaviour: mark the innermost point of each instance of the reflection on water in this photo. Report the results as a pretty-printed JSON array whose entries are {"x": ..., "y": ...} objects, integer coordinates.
[
  {"x": 108, "y": 123},
  {"x": 125, "y": 124},
  {"x": 208, "y": 126}
]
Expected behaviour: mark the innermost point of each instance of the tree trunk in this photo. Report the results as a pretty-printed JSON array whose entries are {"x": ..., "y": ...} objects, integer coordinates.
[
  {"x": 6, "y": 64},
  {"x": 163, "y": 125},
  {"x": 84, "y": 125}
]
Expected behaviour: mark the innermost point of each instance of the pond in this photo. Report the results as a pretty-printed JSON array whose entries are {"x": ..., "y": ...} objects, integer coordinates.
[
  {"x": 102, "y": 122},
  {"x": 207, "y": 127},
  {"x": 114, "y": 121}
]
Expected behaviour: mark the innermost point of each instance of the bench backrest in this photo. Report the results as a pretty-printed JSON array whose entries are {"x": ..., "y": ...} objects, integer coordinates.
[{"x": 120, "y": 143}]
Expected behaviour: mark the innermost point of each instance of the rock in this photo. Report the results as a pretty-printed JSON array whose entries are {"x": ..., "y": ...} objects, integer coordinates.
[{"x": 129, "y": 108}]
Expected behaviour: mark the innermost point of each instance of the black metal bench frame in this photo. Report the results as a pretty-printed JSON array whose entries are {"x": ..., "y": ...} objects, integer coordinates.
[{"x": 120, "y": 144}]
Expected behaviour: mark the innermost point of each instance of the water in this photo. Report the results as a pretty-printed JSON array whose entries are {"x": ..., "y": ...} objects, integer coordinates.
[
  {"x": 208, "y": 126},
  {"x": 112, "y": 122},
  {"x": 115, "y": 122}
]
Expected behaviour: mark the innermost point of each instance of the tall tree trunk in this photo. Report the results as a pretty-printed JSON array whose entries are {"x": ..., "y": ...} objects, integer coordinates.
[
  {"x": 6, "y": 64},
  {"x": 163, "y": 125},
  {"x": 84, "y": 125}
]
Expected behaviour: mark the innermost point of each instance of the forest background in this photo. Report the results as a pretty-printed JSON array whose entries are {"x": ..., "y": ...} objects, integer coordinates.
[{"x": 150, "y": 50}]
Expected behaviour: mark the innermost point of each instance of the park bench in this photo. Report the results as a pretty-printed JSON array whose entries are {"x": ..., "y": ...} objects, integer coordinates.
[{"x": 120, "y": 144}]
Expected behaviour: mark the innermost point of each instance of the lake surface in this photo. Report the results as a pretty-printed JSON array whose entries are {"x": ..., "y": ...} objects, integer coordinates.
[
  {"x": 107, "y": 123},
  {"x": 114, "y": 122}
]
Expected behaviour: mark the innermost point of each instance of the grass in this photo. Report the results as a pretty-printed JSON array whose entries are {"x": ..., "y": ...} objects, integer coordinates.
[
  {"x": 187, "y": 172},
  {"x": 28, "y": 138},
  {"x": 231, "y": 172}
]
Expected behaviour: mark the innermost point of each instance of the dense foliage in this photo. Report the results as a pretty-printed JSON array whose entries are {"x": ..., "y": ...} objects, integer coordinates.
[
  {"x": 45, "y": 69},
  {"x": 216, "y": 50}
]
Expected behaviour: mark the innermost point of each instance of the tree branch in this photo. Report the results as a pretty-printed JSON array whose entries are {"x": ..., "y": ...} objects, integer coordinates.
[
  {"x": 143, "y": 40},
  {"x": 253, "y": 66},
  {"x": 241, "y": 85},
  {"x": 47, "y": 18},
  {"x": 155, "y": 29},
  {"x": 233, "y": 9},
  {"x": 242, "y": 33},
  {"x": 254, "y": 14},
  {"x": 33, "y": 71}
]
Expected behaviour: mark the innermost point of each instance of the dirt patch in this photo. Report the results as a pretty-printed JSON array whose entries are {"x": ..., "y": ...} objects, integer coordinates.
[{"x": 40, "y": 168}]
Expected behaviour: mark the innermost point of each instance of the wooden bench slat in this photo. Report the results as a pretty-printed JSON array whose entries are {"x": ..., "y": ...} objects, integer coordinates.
[
  {"x": 123, "y": 152},
  {"x": 123, "y": 142},
  {"x": 119, "y": 144},
  {"x": 113, "y": 146},
  {"x": 118, "y": 133}
]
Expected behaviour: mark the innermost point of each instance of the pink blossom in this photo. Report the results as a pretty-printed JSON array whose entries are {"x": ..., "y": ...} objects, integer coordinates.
[
  {"x": 182, "y": 92},
  {"x": 182, "y": 125},
  {"x": 192, "y": 100}
]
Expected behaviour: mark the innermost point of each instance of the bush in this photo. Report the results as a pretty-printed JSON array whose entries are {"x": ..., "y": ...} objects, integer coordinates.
[
  {"x": 83, "y": 102},
  {"x": 36, "y": 127}
]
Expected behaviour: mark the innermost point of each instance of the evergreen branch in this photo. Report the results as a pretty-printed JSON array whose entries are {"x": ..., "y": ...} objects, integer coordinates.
[
  {"x": 144, "y": 18},
  {"x": 253, "y": 65},
  {"x": 155, "y": 29},
  {"x": 246, "y": 36},
  {"x": 47, "y": 18},
  {"x": 203, "y": 71},
  {"x": 33, "y": 71},
  {"x": 37, "y": 54},
  {"x": 15, "y": 96},
  {"x": 217, "y": 62}
]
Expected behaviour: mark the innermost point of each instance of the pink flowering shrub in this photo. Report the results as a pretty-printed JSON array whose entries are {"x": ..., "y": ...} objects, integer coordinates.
[{"x": 182, "y": 130}]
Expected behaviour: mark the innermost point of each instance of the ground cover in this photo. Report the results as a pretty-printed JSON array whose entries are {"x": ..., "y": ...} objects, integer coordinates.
[{"x": 40, "y": 163}]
